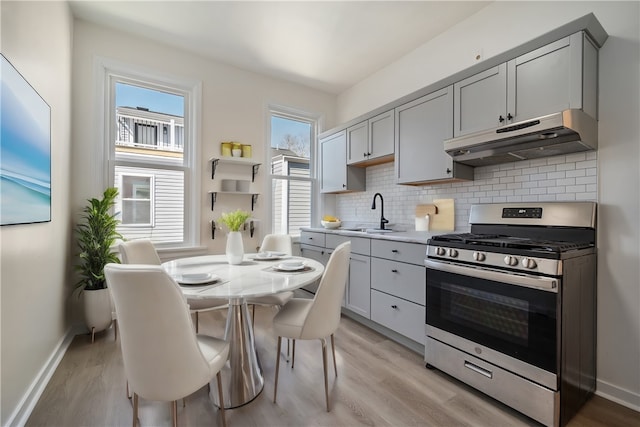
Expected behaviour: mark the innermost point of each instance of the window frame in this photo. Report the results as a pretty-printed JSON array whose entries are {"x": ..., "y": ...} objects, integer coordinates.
[
  {"x": 315, "y": 121},
  {"x": 108, "y": 72}
]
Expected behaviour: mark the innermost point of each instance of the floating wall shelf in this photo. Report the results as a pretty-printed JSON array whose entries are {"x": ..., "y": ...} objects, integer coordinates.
[
  {"x": 214, "y": 194},
  {"x": 234, "y": 161}
]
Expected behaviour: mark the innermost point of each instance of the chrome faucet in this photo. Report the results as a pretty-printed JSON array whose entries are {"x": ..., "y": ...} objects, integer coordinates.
[{"x": 383, "y": 220}]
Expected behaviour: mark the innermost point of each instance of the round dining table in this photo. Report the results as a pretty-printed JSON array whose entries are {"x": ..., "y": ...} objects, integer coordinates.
[{"x": 212, "y": 277}]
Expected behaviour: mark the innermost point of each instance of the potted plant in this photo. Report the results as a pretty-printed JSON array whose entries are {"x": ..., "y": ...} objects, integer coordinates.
[
  {"x": 233, "y": 221},
  {"x": 96, "y": 233}
]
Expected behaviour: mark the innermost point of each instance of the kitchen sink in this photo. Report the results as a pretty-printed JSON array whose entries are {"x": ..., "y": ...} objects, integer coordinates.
[{"x": 367, "y": 230}]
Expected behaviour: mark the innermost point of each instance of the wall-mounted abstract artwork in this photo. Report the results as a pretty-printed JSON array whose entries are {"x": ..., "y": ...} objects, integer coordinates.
[{"x": 25, "y": 151}]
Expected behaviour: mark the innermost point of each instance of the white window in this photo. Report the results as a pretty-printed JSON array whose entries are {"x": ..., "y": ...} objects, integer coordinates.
[
  {"x": 151, "y": 152},
  {"x": 292, "y": 172}
]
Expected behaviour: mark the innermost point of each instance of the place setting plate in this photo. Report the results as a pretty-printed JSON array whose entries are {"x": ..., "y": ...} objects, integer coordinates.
[
  {"x": 269, "y": 256},
  {"x": 196, "y": 278},
  {"x": 294, "y": 266}
]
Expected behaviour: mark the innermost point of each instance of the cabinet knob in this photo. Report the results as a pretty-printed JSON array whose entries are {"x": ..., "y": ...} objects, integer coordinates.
[
  {"x": 448, "y": 170},
  {"x": 509, "y": 116},
  {"x": 344, "y": 185},
  {"x": 364, "y": 154},
  {"x": 394, "y": 271},
  {"x": 395, "y": 251},
  {"x": 368, "y": 154},
  {"x": 501, "y": 119},
  {"x": 395, "y": 307}
]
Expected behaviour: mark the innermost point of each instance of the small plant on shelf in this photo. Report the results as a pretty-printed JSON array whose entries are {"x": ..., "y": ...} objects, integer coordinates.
[{"x": 235, "y": 220}]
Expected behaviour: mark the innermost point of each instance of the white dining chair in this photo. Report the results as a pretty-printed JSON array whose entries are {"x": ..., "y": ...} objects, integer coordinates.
[
  {"x": 317, "y": 318},
  {"x": 144, "y": 252},
  {"x": 164, "y": 359},
  {"x": 273, "y": 243}
]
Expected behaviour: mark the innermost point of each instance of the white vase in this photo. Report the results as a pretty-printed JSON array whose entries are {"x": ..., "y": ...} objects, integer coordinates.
[
  {"x": 235, "y": 249},
  {"x": 97, "y": 309}
]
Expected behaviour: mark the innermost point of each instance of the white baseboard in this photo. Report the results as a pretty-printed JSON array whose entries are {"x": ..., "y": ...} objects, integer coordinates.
[
  {"x": 618, "y": 395},
  {"x": 22, "y": 412}
]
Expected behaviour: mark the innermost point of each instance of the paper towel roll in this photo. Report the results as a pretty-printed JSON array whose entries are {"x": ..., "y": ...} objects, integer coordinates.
[{"x": 422, "y": 223}]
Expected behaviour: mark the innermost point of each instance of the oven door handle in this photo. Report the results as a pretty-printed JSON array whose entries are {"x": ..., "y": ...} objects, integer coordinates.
[{"x": 536, "y": 282}]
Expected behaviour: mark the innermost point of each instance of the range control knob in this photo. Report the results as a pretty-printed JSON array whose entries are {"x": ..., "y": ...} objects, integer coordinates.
[
  {"x": 440, "y": 251},
  {"x": 453, "y": 253},
  {"x": 479, "y": 256},
  {"x": 511, "y": 260},
  {"x": 529, "y": 263}
]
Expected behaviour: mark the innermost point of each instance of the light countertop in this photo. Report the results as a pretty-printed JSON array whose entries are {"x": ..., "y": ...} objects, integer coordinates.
[{"x": 411, "y": 236}]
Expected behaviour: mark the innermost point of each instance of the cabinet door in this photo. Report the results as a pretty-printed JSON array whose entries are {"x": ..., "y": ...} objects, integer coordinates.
[
  {"x": 357, "y": 143},
  {"x": 334, "y": 161},
  {"x": 546, "y": 80},
  {"x": 480, "y": 101},
  {"x": 358, "y": 295},
  {"x": 382, "y": 135},
  {"x": 317, "y": 254},
  {"x": 421, "y": 128}
]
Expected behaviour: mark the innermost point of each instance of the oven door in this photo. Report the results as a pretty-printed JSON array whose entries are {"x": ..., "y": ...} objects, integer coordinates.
[{"x": 514, "y": 314}]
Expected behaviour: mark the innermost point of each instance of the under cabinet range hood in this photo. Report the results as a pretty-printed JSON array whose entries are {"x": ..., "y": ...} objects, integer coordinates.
[{"x": 565, "y": 132}]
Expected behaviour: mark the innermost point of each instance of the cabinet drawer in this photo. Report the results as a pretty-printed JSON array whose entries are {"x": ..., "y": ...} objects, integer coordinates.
[
  {"x": 402, "y": 316},
  {"x": 406, "y": 281},
  {"x": 312, "y": 238},
  {"x": 531, "y": 399},
  {"x": 359, "y": 245},
  {"x": 413, "y": 253}
]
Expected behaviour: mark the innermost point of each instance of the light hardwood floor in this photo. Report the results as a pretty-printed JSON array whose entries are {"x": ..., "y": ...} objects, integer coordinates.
[{"x": 379, "y": 383}]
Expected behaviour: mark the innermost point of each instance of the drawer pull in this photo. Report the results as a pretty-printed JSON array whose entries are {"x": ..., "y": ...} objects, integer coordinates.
[
  {"x": 395, "y": 307},
  {"x": 394, "y": 271},
  {"x": 478, "y": 369},
  {"x": 310, "y": 238},
  {"x": 395, "y": 251}
]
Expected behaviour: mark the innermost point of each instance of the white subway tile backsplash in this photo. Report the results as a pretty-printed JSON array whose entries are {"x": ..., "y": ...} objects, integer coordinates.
[{"x": 562, "y": 178}]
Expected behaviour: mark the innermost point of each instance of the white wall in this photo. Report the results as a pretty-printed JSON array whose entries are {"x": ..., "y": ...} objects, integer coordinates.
[
  {"x": 500, "y": 27},
  {"x": 36, "y": 38},
  {"x": 234, "y": 108}
]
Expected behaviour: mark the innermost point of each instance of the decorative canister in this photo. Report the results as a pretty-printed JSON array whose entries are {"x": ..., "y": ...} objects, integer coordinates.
[
  {"x": 246, "y": 150},
  {"x": 225, "y": 148},
  {"x": 236, "y": 149}
]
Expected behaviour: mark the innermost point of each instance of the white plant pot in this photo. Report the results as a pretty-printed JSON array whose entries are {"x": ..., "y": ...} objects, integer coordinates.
[
  {"x": 235, "y": 248},
  {"x": 97, "y": 309}
]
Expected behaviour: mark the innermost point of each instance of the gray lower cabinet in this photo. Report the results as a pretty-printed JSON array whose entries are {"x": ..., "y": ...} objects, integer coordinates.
[
  {"x": 422, "y": 126},
  {"x": 550, "y": 79},
  {"x": 387, "y": 279},
  {"x": 358, "y": 293},
  {"x": 316, "y": 253},
  {"x": 399, "y": 315},
  {"x": 398, "y": 287},
  {"x": 357, "y": 296}
]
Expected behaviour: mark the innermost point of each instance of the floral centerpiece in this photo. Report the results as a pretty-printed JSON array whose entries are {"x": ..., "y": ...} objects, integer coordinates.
[{"x": 234, "y": 221}]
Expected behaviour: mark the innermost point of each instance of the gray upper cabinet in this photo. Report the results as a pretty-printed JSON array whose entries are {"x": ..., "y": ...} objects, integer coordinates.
[
  {"x": 357, "y": 143},
  {"x": 555, "y": 77},
  {"x": 372, "y": 141},
  {"x": 421, "y": 127},
  {"x": 480, "y": 101},
  {"x": 336, "y": 176},
  {"x": 551, "y": 79}
]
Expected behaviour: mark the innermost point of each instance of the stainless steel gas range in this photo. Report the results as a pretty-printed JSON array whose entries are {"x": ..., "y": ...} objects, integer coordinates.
[{"x": 511, "y": 306}]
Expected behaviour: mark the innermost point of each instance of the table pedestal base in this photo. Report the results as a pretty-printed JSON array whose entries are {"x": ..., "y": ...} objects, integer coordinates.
[{"x": 242, "y": 379}]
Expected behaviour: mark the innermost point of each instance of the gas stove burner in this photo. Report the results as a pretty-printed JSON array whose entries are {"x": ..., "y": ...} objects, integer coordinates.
[
  {"x": 464, "y": 237},
  {"x": 479, "y": 241}
]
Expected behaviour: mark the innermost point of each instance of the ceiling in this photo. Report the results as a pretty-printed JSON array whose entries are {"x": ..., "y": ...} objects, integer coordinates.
[{"x": 325, "y": 45}]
